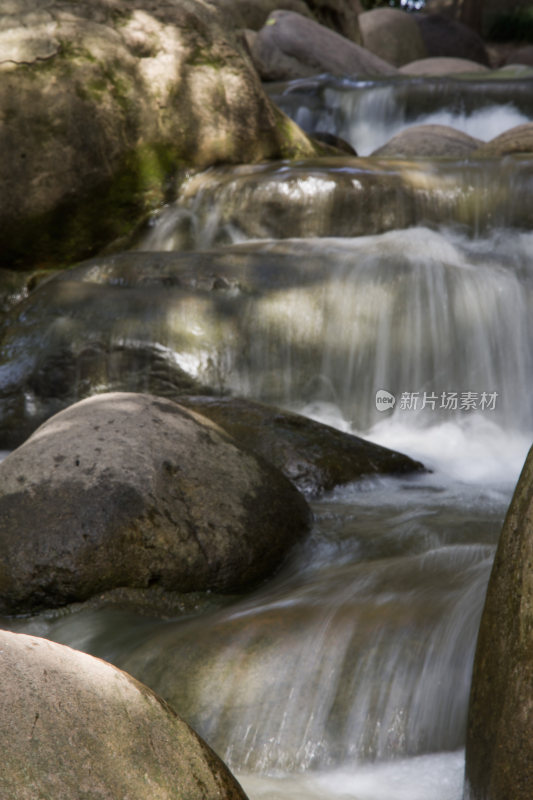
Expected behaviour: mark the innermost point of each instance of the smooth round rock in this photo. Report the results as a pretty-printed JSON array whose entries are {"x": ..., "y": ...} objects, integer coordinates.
[
  {"x": 512, "y": 142},
  {"x": 393, "y": 35},
  {"x": 442, "y": 66},
  {"x": 429, "y": 140},
  {"x": 72, "y": 726},
  {"x": 134, "y": 490}
]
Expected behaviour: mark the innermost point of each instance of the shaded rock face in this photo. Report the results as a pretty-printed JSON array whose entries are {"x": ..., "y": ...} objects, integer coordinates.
[
  {"x": 313, "y": 456},
  {"x": 292, "y": 46},
  {"x": 341, "y": 16},
  {"x": 73, "y": 726},
  {"x": 104, "y": 103},
  {"x": 393, "y": 35},
  {"x": 521, "y": 55},
  {"x": 499, "y": 752},
  {"x": 429, "y": 140},
  {"x": 134, "y": 490},
  {"x": 447, "y": 37}
]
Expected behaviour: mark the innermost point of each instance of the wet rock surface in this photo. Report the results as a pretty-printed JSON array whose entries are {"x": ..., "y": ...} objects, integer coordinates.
[{"x": 315, "y": 457}]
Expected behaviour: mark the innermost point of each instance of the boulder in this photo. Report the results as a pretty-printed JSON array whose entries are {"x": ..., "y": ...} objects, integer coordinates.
[
  {"x": 447, "y": 37},
  {"x": 429, "y": 141},
  {"x": 521, "y": 55},
  {"x": 499, "y": 749},
  {"x": 292, "y": 46},
  {"x": 253, "y": 14},
  {"x": 341, "y": 16},
  {"x": 514, "y": 141},
  {"x": 134, "y": 490},
  {"x": 442, "y": 66},
  {"x": 315, "y": 457},
  {"x": 393, "y": 35},
  {"x": 105, "y": 104},
  {"x": 72, "y": 726}
]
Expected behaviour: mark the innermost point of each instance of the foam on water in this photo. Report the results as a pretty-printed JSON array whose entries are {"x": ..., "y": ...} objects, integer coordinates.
[{"x": 435, "y": 776}]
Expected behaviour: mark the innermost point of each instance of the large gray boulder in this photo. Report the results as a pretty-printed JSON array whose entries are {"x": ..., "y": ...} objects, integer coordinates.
[
  {"x": 292, "y": 46},
  {"x": 134, "y": 490},
  {"x": 72, "y": 726},
  {"x": 499, "y": 746},
  {"x": 103, "y": 102},
  {"x": 393, "y": 35}
]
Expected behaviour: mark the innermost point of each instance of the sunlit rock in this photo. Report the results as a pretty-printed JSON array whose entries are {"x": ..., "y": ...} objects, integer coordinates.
[
  {"x": 72, "y": 726},
  {"x": 134, "y": 490},
  {"x": 104, "y": 103},
  {"x": 499, "y": 752}
]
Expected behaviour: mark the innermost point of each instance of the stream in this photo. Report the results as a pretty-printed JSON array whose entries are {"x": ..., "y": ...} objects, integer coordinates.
[{"x": 347, "y": 675}]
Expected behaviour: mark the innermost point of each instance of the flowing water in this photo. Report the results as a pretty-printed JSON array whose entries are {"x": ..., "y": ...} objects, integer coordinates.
[{"x": 347, "y": 675}]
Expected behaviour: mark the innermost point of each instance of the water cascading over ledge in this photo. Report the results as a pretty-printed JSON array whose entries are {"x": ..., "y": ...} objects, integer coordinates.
[{"x": 408, "y": 277}]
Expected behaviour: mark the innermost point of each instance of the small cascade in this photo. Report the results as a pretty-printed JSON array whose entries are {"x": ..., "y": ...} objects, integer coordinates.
[
  {"x": 427, "y": 317},
  {"x": 367, "y": 113},
  {"x": 360, "y": 651},
  {"x": 343, "y": 197},
  {"x": 393, "y": 299}
]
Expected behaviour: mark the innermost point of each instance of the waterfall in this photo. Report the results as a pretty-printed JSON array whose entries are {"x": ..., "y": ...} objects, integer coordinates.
[
  {"x": 389, "y": 298},
  {"x": 367, "y": 113}
]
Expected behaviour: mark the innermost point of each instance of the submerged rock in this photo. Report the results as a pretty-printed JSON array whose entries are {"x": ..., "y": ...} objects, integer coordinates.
[
  {"x": 499, "y": 749},
  {"x": 292, "y": 46},
  {"x": 105, "y": 103},
  {"x": 313, "y": 456},
  {"x": 134, "y": 490},
  {"x": 72, "y": 726},
  {"x": 429, "y": 140}
]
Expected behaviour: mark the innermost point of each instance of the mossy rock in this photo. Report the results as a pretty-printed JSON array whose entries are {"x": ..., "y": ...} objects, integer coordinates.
[{"x": 102, "y": 108}]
